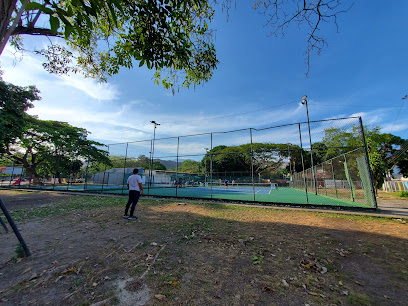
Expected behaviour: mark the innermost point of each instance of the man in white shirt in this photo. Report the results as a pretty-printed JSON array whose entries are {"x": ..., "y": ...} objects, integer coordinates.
[{"x": 135, "y": 186}]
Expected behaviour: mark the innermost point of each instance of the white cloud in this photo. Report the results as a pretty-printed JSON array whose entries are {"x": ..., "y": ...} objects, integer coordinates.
[{"x": 29, "y": 71}]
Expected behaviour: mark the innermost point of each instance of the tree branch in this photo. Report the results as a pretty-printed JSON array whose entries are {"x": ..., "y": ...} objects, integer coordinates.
[{"x": 33, "y": 31}]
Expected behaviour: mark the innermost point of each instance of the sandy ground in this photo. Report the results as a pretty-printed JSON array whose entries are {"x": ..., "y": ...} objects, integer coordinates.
[{"x": 179, "y": 253}]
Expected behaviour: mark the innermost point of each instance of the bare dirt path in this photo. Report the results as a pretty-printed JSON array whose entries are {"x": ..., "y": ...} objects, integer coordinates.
[{"x": 181, "y": 253}]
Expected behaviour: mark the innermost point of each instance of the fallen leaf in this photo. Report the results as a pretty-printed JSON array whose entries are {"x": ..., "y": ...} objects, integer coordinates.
[
  {"x": 68, "y": 270},
  {"x": 160, "y": 297},
  {"x": 26, "y": 271},
  {"x": 175, "y": 283},
  {"x": 94, "y": 284},
  {"x": 266, "y": 289},
  {"x": 340, "y": 283},
  {"x": 18, "y": 260},
  {"x": 358, "y": 283}
]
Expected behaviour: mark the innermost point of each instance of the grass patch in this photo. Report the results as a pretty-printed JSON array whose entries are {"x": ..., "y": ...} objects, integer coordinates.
[
  {"x": 20, "y": 253},
  {"x": 359, "y": 299},
  {"x": 403, "y": 194},
  {"x": 72, "y": 204}
]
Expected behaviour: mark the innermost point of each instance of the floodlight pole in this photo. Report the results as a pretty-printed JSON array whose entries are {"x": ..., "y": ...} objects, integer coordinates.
[
  {"x": 152, "y": 151},
  {"x": 304, "y": 101},
  {"x": 290, "y": 164},
  {"x": 205, "y": 172}
]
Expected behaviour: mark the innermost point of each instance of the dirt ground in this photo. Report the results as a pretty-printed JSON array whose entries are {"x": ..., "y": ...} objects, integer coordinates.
[{"x": 182, "y": 253}]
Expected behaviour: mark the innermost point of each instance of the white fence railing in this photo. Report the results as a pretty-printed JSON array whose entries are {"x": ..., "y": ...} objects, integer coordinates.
[{"x": 395, "y": 186}]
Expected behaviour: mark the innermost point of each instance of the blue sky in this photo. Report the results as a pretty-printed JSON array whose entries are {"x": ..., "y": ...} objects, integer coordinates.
[{"x": 259, "y": 82}]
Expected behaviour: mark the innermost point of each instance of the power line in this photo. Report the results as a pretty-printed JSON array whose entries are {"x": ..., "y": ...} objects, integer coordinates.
[
  {"x": 233, "y": 115},
  {"x": 344, "y": 105},
  {"x": 402, "y": 105}
]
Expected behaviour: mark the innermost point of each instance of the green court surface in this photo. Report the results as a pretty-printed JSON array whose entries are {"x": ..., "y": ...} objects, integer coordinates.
[
  {"x": 280, "y": 195},
  {"x": 285, "y": 195}
]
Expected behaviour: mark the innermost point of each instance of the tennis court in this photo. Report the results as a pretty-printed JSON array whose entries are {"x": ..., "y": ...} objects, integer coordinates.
[{"x": 246, "y": 193}]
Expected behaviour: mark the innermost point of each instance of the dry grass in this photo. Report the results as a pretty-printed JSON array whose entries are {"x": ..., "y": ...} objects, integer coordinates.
[{"x": 201, "y": 254}]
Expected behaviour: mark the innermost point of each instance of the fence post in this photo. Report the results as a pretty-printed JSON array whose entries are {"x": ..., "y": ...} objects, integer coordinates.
[
  {"x": 86, "y": 173},
  {"x": 124, "y": 167},
  {"x": 150, "y": 170},
  {"x": 334, "y": 178},
  {"x": 12, "y": 173},
  {"x": 324, "y": 179},
  {"x": 252, "y": 165},
  {"x": 349, "y": 181},
  {"x": 368, "y": 163},
  {"x": 104, "y": 172},
  {"x": 303, "y": 165},
  {"x": 14, "y": 227},
  {"x": 211, "y": 166},
  {"x": 177, "y": 165}
]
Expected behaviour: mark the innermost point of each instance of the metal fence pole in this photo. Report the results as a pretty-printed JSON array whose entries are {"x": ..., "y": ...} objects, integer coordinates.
[
  {"x": 53, "y": 181},
  {"x": 177, "y": 178},
  {"x": 57, "y": 172},
  {"x": 104, "y": 172},
  {"x": 14, "y": 227},
  {"x": 86, "y": 174},
  {"x": 334, "y": 178},
  {"x": 124, "y": 167},
  {"x": 368, "y": 163},
  {"x": 348, "y": 175},
  {"x": 150, "y": 170},
  {"x": 324, "y": 179},
  {"x": 303, "y": 165},
  {"x": 252, "y": 165},
  {"x": 12, "y": 173},
  {"x": 211, "y": 166}
]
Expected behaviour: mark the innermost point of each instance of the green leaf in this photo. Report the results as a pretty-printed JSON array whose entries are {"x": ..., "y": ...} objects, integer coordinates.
[
  {"x": 54, "y": 23},
  {"x": 141, "y": 63},
  {"x": 38, "y": 6},
  {"x": 68, "y": 30}
]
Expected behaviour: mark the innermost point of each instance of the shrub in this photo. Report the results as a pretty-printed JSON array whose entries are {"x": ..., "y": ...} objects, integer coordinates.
[{"x": 403, "y": 194}]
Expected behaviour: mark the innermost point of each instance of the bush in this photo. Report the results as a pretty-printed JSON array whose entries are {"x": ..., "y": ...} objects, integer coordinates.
[{"x": 403, "y": 194}]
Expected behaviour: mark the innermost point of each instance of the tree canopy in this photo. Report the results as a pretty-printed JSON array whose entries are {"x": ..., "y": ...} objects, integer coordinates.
[
  {"x": 170, "y": 36},
  {"x": 14, "y": 102},
  {"x": 54, "y": 147},
  {"x": 265, "y": 158},
  {"x": 381, "y": 146}
]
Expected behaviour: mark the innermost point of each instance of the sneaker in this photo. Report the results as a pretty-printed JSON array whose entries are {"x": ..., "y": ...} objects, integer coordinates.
[
  {"x": 125, "y": 217},
  {"x": 132, "y": 218}
]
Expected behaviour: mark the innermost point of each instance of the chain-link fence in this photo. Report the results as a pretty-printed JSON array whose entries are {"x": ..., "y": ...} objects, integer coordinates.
[{"x": 281, "y": 164}]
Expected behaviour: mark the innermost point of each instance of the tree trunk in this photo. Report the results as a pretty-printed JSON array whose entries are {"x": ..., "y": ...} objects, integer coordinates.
[{"x": 6, "y": 10}]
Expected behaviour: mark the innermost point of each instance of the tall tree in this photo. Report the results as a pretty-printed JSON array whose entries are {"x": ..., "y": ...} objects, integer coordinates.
[
  {"x": 14, "y": 102},
  {"x": 56, "y": 144},
  {"x": 265, "y": 158},
  {"x": 381, "y": 146}
]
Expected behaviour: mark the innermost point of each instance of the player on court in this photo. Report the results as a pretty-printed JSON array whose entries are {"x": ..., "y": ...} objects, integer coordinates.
[{"x": 135, "y": 186}]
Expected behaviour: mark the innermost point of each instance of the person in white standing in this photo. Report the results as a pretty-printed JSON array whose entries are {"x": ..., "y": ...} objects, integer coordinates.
[{"x": 135, "y": 186}]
